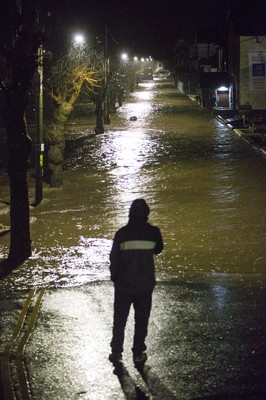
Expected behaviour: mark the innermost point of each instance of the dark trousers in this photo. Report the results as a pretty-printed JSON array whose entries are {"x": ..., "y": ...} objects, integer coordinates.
[{"x": 142, "y": 305}]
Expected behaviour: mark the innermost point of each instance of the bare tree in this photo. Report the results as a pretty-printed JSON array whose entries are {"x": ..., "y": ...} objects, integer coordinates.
[
  {"x": 69, "y": 75},
  {"x": 20, "y": 40}
]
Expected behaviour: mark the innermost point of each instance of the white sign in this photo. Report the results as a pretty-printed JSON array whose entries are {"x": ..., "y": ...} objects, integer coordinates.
[{"x": 257, "y": 77}]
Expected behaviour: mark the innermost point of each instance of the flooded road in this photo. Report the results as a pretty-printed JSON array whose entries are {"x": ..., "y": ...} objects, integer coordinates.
[{"x": 205, "y": 187}]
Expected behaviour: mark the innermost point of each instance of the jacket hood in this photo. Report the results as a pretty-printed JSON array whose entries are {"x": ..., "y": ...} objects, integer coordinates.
[{"x": 139, "y": 210}]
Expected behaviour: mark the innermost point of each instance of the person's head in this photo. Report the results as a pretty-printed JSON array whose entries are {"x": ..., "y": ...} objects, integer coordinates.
[{"x": 139, "y": 210}]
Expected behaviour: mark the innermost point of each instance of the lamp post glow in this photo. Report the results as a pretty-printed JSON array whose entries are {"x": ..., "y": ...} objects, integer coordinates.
[
  {"x": 79, "y": 39},
  {"x": 79, "y": 44},
  {"x": 124, "y": 56}
]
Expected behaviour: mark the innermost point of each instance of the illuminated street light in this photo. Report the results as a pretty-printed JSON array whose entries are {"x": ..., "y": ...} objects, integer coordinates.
[
  {"x": 124, "y": 56},
  {"x": 223, "y": 89},
  {"x": 79, "y": 39},
  {"x": 79, "y": 44}
]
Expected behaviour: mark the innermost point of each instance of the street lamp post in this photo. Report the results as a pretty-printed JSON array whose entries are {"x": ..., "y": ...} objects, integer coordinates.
[
  {"x": 106, "y": 77},
  {"x": 39, "y": 146}
]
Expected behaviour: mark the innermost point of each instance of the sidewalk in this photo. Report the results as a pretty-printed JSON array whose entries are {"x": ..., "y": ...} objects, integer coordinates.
[{"x": 255, "y": 136}]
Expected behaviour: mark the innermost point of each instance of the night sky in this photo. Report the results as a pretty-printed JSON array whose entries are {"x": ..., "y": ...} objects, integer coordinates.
[
  {"x": 154, "y": 27},
  {"x": 146, "y": 27}
]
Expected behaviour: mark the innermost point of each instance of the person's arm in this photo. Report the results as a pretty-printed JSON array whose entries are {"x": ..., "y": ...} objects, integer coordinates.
[
  {"x": 115, "y": 258},
  {"x": 159, "y": 242}
]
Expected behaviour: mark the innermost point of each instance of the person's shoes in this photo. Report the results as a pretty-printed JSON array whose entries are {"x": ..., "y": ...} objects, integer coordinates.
[
  {"x": 115, "y": 357},
  {"x": 140, "y": 358}
]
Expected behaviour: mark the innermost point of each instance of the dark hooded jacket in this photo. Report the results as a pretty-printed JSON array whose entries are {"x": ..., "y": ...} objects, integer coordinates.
[{"x": 132, "y": 265}]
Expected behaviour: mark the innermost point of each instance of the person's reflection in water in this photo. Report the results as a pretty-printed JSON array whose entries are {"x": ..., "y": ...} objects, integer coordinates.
[{"x": 133, "y": 273}]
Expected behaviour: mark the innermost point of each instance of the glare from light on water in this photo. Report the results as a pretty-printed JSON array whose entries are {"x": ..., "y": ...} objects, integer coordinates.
[{"x": 205, "y": 187}]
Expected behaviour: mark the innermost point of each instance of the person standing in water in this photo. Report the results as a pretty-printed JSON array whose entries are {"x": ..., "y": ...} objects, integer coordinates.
[{"x": 133, "y": 273}]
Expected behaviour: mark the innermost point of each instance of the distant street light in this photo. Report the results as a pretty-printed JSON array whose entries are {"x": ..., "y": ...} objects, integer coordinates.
[{"x": 124, "y": 57}]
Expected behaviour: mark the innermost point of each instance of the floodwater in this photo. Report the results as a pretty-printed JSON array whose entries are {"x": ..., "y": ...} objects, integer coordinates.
[{"x": 205, "y": 187}]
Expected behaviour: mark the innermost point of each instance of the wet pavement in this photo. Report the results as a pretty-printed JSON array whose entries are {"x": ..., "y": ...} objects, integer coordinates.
[
  {"x": 207, "y": 334},
  {"x": 206, "y": 341}
]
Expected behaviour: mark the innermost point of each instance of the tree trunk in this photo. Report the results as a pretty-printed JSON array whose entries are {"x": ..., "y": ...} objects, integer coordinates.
[
  {"x": 99, "y": 116},
  {"x": 56, "y": 154},
  {"x": 57, "y": 142},
  {"x": 20, "y": 243},
  {"x": 19, "y": 147},
  {"x": 21, "y": 36}
]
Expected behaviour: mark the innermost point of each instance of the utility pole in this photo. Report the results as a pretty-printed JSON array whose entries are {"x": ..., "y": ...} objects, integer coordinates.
[
  {"x": 39, "y": 146},
  {"x": 106, "y": 73}
]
